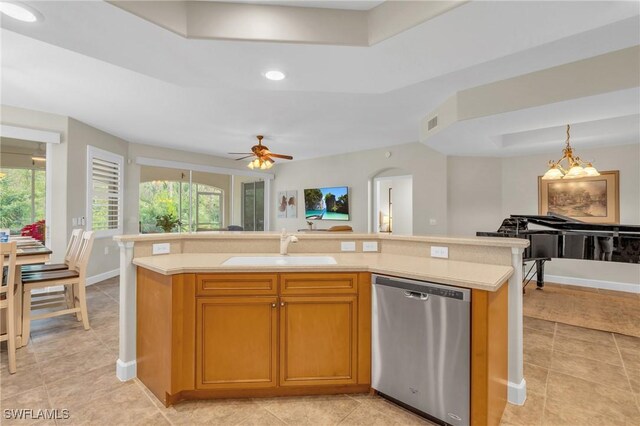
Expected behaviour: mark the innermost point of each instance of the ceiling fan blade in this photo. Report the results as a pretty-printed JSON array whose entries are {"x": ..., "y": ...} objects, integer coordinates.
[
  {"x": 242, "y": 158},
  {"x": 285, "y": 157},
  {"x": 240, "y": 153}
]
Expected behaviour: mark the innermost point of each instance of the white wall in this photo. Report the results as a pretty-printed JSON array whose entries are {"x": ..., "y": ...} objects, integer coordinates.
[
  {"x": 356, "y": 170},
  {"x": 474, "y": 186}
]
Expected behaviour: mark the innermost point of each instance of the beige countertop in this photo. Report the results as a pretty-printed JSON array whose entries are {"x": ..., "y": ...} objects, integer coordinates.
[
  {"x": 462, "y": 274},
  {"x": 437, "y": 239}
]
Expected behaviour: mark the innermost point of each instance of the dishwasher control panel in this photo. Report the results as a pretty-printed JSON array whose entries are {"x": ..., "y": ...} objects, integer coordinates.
[{"x": 426, "y": 288}]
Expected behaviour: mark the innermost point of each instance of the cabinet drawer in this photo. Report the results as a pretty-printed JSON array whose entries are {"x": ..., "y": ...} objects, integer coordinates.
[
  {"x": 318, "y": 283},
  {"x": 236, "y": 284}
]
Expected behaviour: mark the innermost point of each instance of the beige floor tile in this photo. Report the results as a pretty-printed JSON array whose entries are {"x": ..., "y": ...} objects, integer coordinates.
[
  {"x": 537, "y": 347},
  {"x": 605, "y": 353},
  {"x": 630, "y": 358},
  {"x": 310, "y": 410},
  {"x": 539, "y": 324},
  {"x": 128, "y": 405},
  {"x": 395, "y": 412},
  {"x": 536, "y": 378},
  {"x": 629, "y": 343},
  {"x": 529, "y": 414},
  {"x": 24, "y": 357},
  {"x": 594, "y": 336},
  {"x": 215, "y": 412},
  {"x": 568, "y": 396},
  {"x": 24, "y": 379},
  {"x": 35, "y": 399},
  {"x": 65, "y": 343},
  {"x": 634, "y": 378},
  {"x": 589, "y": 369},
  {"x": 261, "y": 417},
  {"x": 77, "y": 364},
  {"x": 97, "y": 383},
  {"x": 364, "y": 415}
]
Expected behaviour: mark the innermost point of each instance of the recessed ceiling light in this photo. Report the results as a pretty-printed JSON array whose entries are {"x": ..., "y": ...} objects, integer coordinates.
[
  {"x": 19, "y": 11},
  {"x": 275, "y": 75}
]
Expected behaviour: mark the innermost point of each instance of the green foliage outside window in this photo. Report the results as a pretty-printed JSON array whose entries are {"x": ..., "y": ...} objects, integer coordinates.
[{"x": 18, "y": 205}]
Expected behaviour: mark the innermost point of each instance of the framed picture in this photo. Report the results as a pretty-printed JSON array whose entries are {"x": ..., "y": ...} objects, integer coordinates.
[
  {"x": 281, "y": 203},
  {"x": 292, "y": 204},
  {"x": 590, "y": 199}
]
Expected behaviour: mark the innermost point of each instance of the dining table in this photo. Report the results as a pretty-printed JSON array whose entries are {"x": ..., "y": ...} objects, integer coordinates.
[{"x": 28, "y": 252}]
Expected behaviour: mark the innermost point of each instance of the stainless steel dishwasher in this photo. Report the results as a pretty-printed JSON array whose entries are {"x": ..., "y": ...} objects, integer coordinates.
[{"x": 421, "y": 346}]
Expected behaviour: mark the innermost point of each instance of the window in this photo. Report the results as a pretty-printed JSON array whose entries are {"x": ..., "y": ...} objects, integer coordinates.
[
  {"x": 104, "y": 191},
  {"x": 22, "y": 197}
]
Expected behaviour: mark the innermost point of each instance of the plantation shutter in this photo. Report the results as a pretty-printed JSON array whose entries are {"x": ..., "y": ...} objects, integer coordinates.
[{"x": 104, "y": 191}]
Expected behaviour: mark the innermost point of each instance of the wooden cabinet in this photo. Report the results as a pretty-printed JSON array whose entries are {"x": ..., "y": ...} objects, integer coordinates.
[
  {"x": 236, "y": 342},
  {"x": 318, "y": 340},
  {"x": 253, "y": 335}
]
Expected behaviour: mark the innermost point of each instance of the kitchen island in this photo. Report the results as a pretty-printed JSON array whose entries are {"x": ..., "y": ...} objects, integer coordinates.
[{"x": 303, "y": 329}]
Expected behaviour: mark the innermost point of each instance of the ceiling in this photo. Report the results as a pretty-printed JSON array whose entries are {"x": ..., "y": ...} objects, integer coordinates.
[
  {"x": 119, "y": 73},
  {"x": 324, "y": 4}
]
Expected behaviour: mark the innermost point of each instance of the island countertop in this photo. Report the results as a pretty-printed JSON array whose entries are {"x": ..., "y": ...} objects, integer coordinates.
[{"x": 462, "y": 274}]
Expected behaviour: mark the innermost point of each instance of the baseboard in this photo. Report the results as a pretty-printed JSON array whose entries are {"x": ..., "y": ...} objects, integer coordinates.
[
  {"x": 125, "y": 371},
  {"x": 583, "y": 282},
  {"x": 103, "y": 276},
  {"x": 517, "y": 392}
]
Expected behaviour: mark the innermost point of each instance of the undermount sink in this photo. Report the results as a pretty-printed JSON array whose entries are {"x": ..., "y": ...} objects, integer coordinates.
[{"x": 279, "y": 261}]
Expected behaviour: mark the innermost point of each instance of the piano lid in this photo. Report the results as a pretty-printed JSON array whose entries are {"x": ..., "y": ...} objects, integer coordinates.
[{"x": 564, "y": 223}]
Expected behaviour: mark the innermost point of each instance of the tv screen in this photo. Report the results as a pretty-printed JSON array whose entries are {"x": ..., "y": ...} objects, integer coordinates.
[{"x": 326, "y": 203}]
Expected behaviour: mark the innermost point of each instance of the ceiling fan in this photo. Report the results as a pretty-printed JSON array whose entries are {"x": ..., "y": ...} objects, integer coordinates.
[{"x": 264, "y": 158}]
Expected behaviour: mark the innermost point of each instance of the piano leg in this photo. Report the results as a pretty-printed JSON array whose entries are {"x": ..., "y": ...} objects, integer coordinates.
[{"x": 540, "y": 273}]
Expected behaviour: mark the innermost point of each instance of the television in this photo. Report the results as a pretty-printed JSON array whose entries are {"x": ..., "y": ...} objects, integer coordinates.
[{"x": 326, "y": 203}]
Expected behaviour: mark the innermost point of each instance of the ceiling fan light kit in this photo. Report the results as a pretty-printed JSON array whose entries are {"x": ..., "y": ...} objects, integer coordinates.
[
  {"x": 576, "y": 167},
  {"x": 264, "y": 158}
]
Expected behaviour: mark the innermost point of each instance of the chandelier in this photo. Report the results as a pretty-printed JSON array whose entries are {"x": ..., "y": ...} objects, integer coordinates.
[{"x": 576, "y": 168}]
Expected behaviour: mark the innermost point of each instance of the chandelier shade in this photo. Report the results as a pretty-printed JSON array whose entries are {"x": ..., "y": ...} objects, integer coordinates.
[{"x": 575, "y": 168}]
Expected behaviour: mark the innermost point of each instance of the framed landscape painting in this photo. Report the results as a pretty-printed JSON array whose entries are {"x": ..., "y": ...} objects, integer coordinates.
[{"x": 590, "y": 199}]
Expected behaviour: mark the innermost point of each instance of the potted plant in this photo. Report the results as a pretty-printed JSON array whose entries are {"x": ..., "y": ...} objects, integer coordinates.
[{"x": 167, "y": 222}]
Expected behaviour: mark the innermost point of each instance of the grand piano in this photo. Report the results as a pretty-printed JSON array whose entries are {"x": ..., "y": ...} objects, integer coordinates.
[{"x": 557, "y": 236}]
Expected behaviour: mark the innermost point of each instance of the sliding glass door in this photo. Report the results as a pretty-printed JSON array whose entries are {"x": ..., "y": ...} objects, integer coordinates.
[{"x": 253, "y": 206}]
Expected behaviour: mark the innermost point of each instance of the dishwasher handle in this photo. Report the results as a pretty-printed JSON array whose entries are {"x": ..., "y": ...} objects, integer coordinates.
[{"x": 416, "y": 295}]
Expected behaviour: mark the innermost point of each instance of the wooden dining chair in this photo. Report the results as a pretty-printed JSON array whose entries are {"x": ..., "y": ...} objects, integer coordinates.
[
  {"x": 7, "y": 299},
  {"x": 74, "y": 281},
  {"x": 69, "y": 256}
]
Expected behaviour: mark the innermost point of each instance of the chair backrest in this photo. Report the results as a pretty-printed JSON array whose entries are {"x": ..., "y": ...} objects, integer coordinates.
[
  {"x": 8, "y": 258},
  {"x": 72, "y": 248},
  {"x": 84, "y": 253}
]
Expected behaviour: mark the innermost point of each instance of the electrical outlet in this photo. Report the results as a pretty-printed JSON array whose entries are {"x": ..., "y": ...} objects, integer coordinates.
[
  {"x": 442, "y": 252},
  {"x": 348, "y": 246},
  {"x": 74, "y": 221},
  {"x": 83, "y": 222},
  {"x": 106, "y": 250},
  {"x": 370, "y": 246},
  {"x": 162, "y": 248},
  {"x": 433, "y": 221}
]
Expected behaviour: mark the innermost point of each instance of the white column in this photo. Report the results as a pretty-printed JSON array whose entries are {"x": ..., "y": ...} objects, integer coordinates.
[
  {"x": 517, "y": 385},
  {"x": 126, "y": 364}
]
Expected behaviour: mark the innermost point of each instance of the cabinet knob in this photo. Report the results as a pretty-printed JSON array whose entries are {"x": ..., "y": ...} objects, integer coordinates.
[
  {"x": 273, "y": 305},
  {"x": 281, "y": 303}
]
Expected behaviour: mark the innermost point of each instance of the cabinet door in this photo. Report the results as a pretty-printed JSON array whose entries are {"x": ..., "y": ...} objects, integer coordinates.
[
  {"x": 318, "y": 340},
  {"x": 236, "y": 342}
]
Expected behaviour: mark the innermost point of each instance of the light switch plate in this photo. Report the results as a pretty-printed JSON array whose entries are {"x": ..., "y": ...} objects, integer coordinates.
[
  {"x": 370, "y": 246},
  {"x": 442, "y": 252},
  {"x": 162, "y": 248},
  {"x": 348, "y": 246}
]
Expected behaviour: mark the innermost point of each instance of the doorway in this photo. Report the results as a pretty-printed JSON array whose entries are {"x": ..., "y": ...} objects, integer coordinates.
[{"x": 393, "y": 204}]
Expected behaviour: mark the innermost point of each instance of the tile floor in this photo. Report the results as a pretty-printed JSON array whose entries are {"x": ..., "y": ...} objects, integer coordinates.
[{"x": 575, "y": 376}]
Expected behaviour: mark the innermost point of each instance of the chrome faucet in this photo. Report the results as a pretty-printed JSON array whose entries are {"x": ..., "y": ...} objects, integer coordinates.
[{"x": 284, "y": 242}]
